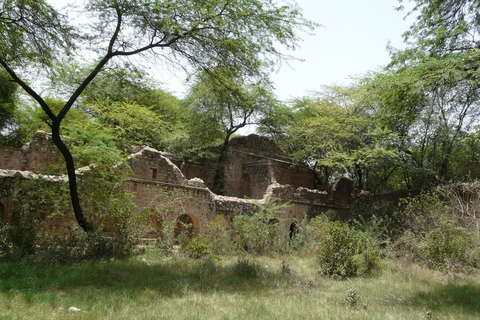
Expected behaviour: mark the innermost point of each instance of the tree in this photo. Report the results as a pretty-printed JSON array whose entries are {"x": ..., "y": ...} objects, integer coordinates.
[
  {"x": 132, "y": 124},
  {"x": 237, "y": 34},
  {"x": 336, "y": 132},
  {"x": 221, "y": 103},
  {"x": 7, "y": 109},
  {"x": 432, "y": 103},
  {"x": 444, "y": 27}
]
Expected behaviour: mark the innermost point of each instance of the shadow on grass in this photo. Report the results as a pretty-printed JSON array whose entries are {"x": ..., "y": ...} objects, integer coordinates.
[
  {"x": 171, "y": 278},
  {"x": 456, "y": 298}
]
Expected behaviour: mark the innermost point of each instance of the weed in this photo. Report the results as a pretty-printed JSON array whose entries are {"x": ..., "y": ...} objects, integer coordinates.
[{"x": 351, "y": 298}]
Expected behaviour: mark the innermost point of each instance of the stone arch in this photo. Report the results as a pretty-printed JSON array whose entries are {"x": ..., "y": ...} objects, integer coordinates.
[
  {"x": 187, "y": 222},
  {"x": 3, "y": 213},
  {"x": 245, "y": 186}
]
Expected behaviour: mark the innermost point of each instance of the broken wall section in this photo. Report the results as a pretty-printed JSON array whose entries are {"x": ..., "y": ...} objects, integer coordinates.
[{"x": 34, "y": 156}]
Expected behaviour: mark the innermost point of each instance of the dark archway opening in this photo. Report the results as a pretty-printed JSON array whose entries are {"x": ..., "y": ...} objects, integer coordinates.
[
  {"x": 3, "y": 213},
  {"x": 293, "y": 231},
  {"x": 183, "y": 227}
]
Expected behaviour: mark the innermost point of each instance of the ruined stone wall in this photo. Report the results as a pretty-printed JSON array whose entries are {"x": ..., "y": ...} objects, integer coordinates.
[
  {"x": 202, "y": 168},
  {"x": 35, "y": 156},
  {"x": 294, "y": 175},
  {"x": 256, "y": 173},
  {"x": 12, "y": 158},
  {"x": 150, "y": 164},
  {"x": 7, "y": 181},
  {"x": 40, "y": 152}
]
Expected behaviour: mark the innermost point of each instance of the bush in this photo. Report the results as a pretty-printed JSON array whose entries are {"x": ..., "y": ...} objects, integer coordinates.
[
  {"x": 436, "y": 234},
  {"x": 19, "y": 238},
  {"x": 216, "y": 233},
  {"x": 197, "y": 248},
  {"x": 345, "y": 252},
  {"x": 447, "y": 245},
  {"x": 261, "y": 232},
  {"x": 421, "y": 214},
  {"x": 79, "y": 247}
]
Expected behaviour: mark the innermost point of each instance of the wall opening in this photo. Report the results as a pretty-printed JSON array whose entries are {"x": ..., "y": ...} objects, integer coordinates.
[
  {"x": 245, "y": 186},
  {"x": 154, "y": 173},
  {"x": 188, "y": 224},
  {"x": 3, "y": 213},
  {"x": 293, "y": 231}
]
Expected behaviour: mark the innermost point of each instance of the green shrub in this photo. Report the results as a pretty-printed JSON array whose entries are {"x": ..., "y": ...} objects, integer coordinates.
[
  {"x": 447, "y": 245},
  {"x": 19, "y": 238},
  {"x": 345, "y": 252},
  {"x": 261, "y": 232},
  {"x": 351, "y": 298},
  {"x": 216, "y": 233},
  {"x": 422, "y": 213},
  {"x": 435, "y": 234},
  {"x": 197, "y": 248},
  {"x": 79, "y": 247}
]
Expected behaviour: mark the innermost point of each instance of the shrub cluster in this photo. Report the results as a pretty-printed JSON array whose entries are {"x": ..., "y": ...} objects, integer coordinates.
[
  {"x": 435, "y": 235},
  {"x": 344, "y": 251}
]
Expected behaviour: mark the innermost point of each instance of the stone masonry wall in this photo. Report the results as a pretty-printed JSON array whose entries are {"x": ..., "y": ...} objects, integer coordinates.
[
  {"x": 248, "y": 173},
  {"x": 35, "y": 156}
]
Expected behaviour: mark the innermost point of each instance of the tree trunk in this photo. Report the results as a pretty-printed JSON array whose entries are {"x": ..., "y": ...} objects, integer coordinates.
[
  {"x": 72, "y": 178},
  {"x": 218, "y": 184}
]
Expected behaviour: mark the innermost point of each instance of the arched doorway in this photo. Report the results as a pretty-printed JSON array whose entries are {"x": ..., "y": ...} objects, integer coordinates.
[{"x": 187, "y": 224}]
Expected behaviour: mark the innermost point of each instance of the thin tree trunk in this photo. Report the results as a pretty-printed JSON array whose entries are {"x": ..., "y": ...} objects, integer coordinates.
[
  {"x": 72, "y": 178},
  {"x": 218, "y": 184}
]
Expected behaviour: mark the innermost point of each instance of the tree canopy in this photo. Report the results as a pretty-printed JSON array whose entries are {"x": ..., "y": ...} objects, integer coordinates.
[{"x": 236, "y": 34}]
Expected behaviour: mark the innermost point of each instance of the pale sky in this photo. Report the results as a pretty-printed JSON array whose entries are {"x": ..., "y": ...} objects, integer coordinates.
[{"x": 351, "y": 42}]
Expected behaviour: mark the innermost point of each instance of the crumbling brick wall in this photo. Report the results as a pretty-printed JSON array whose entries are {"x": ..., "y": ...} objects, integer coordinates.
[{"x": 255, "y": 168}]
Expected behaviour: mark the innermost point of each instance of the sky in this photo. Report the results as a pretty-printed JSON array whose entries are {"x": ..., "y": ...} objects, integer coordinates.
[{"x": 352, "y": 40}]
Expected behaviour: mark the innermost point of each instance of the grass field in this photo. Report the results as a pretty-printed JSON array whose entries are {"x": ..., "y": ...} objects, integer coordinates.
[{"x": 180, "y": 288}]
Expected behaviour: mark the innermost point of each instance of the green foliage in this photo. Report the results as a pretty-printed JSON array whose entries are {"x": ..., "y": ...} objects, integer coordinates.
[
  {"x": 351, "y": 298},
  {"x": 377, "y": 228},
  {"x": 303, "y": 238},
  {"x": 246, "y": 268},
  {"x": 8, "y": 108},
  {"x": 80, "y": 247},
  {"x": 436, "y": 234},
  {"x": 217, "y": 233},
  {"x": 336, "y": 129},
  {"x": 261, "y": 232},
  {"x": 421, "y": 214},
  {"x": 19, "y": 238},
  {"x": 442, "y": 27},
  {"x": 448, "y": 245},
  {"x": 196, "y": 248},
  {"x": 37, "y": 39},
  {"x": 345, "y": 252},
  {"x": 431, "y": 102},
  {"x": 132, "y": 124}
]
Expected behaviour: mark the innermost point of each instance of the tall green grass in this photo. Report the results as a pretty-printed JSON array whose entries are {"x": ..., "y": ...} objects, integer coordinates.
[{"x": 262, "y": 288}]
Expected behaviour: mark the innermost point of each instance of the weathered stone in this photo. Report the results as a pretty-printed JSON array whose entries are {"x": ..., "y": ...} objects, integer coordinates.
[{"x": 255, "y": 170}]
